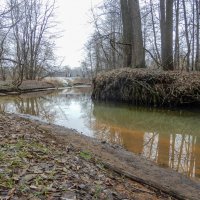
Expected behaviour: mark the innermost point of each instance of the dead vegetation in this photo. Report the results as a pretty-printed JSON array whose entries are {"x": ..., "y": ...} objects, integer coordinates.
[
  {"x": 7, "y": 88},
  {"x": 36, "y": 167},
  {"x": 148, "y": 87}
]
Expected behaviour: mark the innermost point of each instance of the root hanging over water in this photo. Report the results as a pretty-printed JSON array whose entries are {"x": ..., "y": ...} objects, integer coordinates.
[{"x": 148, "y": 87}]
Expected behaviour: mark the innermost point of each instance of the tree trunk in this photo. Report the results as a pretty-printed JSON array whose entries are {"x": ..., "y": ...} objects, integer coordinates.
[
  {"x": 193, "y": 35},
  {"x": 154, "y": 32},
  {"x": 187, "y": 37},
  {"x": 169, "y": 35},
  {"x": 127, "y": 29},
  {"x": 197, "y": 64},
  {"x": 138, "y": 58},
  {"x": 166, "y": 24},
  {"x": 177, "y": 43},
  {"x": 162, "y": 29}
]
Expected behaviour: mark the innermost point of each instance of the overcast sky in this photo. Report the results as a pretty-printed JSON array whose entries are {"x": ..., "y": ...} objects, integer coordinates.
[{"x": 74, "y": 17}]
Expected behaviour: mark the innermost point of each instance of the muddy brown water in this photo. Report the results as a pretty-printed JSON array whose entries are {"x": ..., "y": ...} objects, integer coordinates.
[{"x": 171, "y": 138}]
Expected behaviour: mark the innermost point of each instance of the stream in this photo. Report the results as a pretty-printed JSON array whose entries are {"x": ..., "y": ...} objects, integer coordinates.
[{"x": 170, "y": 138}]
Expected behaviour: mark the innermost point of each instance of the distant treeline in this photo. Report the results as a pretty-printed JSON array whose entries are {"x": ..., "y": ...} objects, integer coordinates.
[{"x": 26, "y": 39}]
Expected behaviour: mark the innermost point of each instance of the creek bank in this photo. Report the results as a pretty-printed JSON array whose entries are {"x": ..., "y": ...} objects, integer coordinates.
[
  {"x": 43, "y": 161},
  {"x": 29, "y": 86},
  {"x": 148, "y": 87},
  {"x": 7, "y": 88},
  {"x": 35, "y": 164}
]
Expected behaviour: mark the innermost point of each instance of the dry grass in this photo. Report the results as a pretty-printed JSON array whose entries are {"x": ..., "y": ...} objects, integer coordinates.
[{"x": 148, "y": 87}]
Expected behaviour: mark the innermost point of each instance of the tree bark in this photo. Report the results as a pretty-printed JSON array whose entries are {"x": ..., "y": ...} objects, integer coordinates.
[
  {"x": 162, "y": 29},
  {"x": 127, "y": 29},
  {"x": 187, "y": 37},
  {"x": 177, "y": 43},
  {"x": 138, "y": 55},
  {"x": 154, "y": 32},
  {"x": 169, "y": 35},
  {"x": 197, "y": 64},
  {"x": 166, "y": 25}
]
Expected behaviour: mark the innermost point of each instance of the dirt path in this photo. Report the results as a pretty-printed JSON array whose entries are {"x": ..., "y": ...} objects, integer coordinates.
[{"x": 41, "y": 161}]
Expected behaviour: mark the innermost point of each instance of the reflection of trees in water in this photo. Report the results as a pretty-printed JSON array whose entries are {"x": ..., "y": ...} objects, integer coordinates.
[
  {"x": 182, "y": 153},
  {"x": 176, "y": 151},
  {"x": 84, "y": 101},
  {"x": 107, "y": 133},
  {"x": 49, "y": 107},
  {"x": 36, "y": 107},
  {"x": 150, "y": 147},
  {"x": 175, "y": 145},
  {"x": 167, "y": 138},
  {"x": 29, "y": 104}
]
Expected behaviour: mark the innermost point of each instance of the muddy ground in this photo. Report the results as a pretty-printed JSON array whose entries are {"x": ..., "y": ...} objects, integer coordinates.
[{"x": 42, "y": 161}]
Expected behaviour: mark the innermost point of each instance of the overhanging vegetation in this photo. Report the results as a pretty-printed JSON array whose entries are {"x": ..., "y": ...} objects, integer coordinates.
[{"x": 148, "y": 87}]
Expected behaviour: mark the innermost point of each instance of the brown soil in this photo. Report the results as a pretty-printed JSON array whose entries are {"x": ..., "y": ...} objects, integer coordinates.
[
  {"x": 130, "y": 165},
  {"x": 40, "y": 161}
]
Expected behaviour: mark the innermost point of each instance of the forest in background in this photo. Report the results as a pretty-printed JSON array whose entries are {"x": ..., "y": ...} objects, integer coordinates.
[
  {"x": 159, "y": 34},
  {"x": 27, "y": 39}
]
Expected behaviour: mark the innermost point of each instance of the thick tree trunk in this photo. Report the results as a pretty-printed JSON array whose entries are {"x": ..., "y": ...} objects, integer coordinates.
[
  {"x": 134, "y": 55},
  {"x": 162, "y": 29},
  {"x": 166, "y": 25},
  {"x": 169, "y": 36},
  {"x": 138, "y": 56},
  {"x": 127, "y": 29}
]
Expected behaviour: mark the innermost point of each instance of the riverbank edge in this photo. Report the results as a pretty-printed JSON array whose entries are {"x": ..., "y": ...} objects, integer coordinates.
[
  {"x": 146, "y": 87},
  {"x": 27, "y": 90},
  {"x": 123, "y": 162},
  {"x": 7, "y": 88},
  {"x": 18, "y": 92}
]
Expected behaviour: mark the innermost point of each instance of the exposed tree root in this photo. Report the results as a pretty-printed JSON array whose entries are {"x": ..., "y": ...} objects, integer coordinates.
[{"x": 148, "y": 87}]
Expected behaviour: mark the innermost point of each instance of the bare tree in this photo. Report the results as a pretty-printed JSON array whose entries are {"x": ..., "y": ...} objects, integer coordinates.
[
  {"x": 158, "y": 20},
  {"x": 31, "y": 37}
]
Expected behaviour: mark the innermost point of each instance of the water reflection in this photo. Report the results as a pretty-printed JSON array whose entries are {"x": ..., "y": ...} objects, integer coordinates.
[
  {"x": 31, "y": 104},
  {"x": 170, "y": 138},
  {"x": 150, "y": 147},
  {"x": 182, "y": 153}
]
